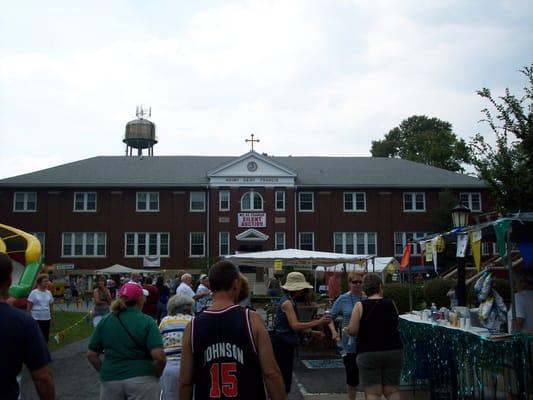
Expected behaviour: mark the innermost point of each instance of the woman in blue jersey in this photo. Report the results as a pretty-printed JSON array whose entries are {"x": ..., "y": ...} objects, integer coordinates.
[
  {"x": 179, "y": 310},
  {"x": 344, "y": 306}
]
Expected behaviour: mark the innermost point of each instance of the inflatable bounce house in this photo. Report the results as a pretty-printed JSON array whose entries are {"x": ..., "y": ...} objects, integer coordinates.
[{"x": 25, "y": 251}]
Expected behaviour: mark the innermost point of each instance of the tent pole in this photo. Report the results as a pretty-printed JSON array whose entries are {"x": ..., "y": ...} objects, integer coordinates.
[{"x": 511, "y": 286}]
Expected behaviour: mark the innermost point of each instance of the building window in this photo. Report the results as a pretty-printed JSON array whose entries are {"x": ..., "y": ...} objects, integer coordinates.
[
  {"x": 223, "y": 201},
  {"x": 280, "y": 201},
  {"x": 485, "y": 249},
  {"x": 41, "y": 236},
  {"x": 307, "y": 240},
  {"x": 354, "y": 201},
  {"x": 414, "y": 201},
  {"x": 355, "y": 242},
  {"x": 401, "y": 239},
  {"x": 471, "y": 200},
  {"x": 197, "y": 244},
  {"x": 25, "y": 201},
  {"x": 141, "y": 244},
  {"x": 84, "y": 244},
  {"x": 85, "y": 201},
  {"x": 223, "y": 238},
  {"x": 279, "y": 239},
  {"x": 252, "y": 201},
  {"x": 306, "y": 201},
  {"x": 197, "y": 203},
  {"x": 148, "y": 201}
]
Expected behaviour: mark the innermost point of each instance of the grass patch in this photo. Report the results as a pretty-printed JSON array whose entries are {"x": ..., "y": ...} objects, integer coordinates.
[{"x": 65, "y": 319}]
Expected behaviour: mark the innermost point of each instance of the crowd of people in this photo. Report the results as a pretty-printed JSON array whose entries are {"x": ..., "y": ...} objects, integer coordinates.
[{"x": 171, "y": 340}]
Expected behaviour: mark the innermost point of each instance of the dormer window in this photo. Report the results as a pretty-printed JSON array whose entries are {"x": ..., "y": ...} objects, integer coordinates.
[{"x": 252, "y": 201}]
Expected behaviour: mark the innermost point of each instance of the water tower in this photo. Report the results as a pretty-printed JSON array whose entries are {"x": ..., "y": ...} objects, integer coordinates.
[{"x": 140, "y": 133}]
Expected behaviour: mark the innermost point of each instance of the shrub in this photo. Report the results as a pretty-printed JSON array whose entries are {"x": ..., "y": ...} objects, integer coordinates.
[
  {"x": 435, "y": 291},
  {"x": 399, "y": 292}
]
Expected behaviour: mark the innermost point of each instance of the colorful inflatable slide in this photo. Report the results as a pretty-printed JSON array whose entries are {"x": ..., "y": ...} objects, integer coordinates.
[{"x": 25, "y": 251}]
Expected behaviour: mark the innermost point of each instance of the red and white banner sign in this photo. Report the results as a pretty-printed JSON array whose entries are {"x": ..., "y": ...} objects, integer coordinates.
[{"x": 252, "y": 220}]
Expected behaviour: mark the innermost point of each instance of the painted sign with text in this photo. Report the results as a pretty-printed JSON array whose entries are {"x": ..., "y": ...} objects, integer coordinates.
[{"x": 252, "y": 220}]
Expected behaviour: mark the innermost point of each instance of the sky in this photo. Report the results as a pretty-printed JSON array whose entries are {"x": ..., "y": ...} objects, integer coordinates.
[{"x": 307, "y": 77}]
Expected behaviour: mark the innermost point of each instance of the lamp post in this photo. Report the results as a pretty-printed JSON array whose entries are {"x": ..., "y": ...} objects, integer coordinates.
[{"x": 460, "y": 215}]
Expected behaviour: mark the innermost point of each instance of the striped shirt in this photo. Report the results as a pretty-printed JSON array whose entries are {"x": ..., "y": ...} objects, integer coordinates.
[{"x": 171, "y": 328}]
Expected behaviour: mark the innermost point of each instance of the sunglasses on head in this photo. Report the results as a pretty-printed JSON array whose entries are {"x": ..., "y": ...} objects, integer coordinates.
[{"x": 354, "y": 282}]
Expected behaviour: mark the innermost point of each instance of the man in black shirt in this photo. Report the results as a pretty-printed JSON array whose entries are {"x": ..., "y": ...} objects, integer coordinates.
[
  {"x": 21, "y": 342},
  {"x": 226, "y": 349}
]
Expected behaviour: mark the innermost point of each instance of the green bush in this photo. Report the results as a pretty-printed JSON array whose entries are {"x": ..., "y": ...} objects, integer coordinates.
[
  {"x": 399, "y": 292},
  {"x": 435, "y": 291}
]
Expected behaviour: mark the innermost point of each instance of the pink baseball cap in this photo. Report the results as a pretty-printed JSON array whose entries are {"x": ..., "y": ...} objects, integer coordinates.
[{"x": 132, "y": 291}]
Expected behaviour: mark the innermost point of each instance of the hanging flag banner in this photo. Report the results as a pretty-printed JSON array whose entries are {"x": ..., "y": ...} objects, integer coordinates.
[
  {"x": 434, "y": 244},
  {"x": 501, "y": 228},
  {"x": 278, "y": 265},
  {"x": 440, "y": 244},
  {"x": 429, "y": 251},
  {"x": 526, "y": 251},
  {"x": 475, "y": 245},
  {"x": 422, "y": 251},
  {"x": 462, "y": 241},
  {"x": 406, "y": 256}
]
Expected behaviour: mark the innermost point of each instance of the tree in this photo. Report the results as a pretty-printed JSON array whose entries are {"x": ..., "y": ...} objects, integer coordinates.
[
  {"x": 426, "y": 140},
  {"x": 507, "y": 166}
]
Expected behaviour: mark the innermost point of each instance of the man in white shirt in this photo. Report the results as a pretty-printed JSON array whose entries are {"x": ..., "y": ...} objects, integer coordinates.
[
  {"x": 185, "y": 286},
  {"x": 524, "y": 304}
]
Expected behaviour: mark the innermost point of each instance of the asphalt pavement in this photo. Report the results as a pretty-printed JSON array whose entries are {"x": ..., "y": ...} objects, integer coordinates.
[{"x": 75, "y": 379}]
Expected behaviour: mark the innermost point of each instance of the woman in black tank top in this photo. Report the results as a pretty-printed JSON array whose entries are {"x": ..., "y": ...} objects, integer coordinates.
[{"x": 379, "y": 348}]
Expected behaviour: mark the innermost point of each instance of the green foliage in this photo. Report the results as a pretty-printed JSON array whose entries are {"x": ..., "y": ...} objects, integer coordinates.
[
  {"x": 399, "y": 292},
  {"x": 508, "y": 165},
  {"x": 425, "y": 140},
  {"x": 435, "y": 291}
]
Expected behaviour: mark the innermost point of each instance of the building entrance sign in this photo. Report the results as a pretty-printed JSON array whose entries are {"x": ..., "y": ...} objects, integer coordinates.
[{"x": 252, "y": 220}]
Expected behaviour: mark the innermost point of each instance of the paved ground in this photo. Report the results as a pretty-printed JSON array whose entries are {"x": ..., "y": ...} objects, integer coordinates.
[{"x": 76, "y": 380}]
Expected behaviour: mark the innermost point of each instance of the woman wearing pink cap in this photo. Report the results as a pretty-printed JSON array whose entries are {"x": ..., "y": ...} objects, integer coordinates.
[{"x": 134, "y": 355}]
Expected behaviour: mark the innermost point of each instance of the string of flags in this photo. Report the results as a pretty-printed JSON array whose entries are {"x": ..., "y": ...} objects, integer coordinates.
[{"x": 469, "y": 236}]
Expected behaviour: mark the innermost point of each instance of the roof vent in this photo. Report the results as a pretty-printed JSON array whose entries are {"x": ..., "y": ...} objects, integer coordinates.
[{"x": 140, "y": 133}]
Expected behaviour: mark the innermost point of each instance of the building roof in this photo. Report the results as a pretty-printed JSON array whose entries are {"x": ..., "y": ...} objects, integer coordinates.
[{"x": 191, "y": 171}]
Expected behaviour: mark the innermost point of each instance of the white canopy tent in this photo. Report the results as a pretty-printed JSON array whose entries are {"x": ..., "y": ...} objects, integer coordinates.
[
  {"x": 121, "y": 269},
  {"x": 294, "y": 257}
]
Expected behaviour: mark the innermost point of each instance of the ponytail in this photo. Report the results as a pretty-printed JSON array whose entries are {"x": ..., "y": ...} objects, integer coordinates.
[{"x": 121, "y": 304}]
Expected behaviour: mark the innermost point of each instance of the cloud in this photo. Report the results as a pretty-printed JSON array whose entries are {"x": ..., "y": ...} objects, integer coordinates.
[{"x": 308, "y": 78}]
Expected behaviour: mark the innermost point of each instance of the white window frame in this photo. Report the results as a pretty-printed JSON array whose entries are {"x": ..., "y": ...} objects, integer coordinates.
[
  {"x": 148, "y": 201},
  {"x": 300, "y": 234},
  {"x": 485, "y": 248},
  {"x": 469, "y": 203},
  {"x": 280, "y": 244},
  {"x": 222, "y": 235},
  {"x": 300, "y": 201},
  {"x": 190, "y": 244},
  {"x": 282, "y": 200},
  {"x": 406, "y": 235},
  {"x": 354, "y": 235},
  {"x": 413, "y": 201},
  {"x": 354, "y": 202},
  {"x": 84, "y": 243},
  {"x": 41, "y": 237},
  {"x": 85, "y": 202},
  {"x": 220, "y": 200},
  {"x": 25, "y": 202},
  {"x": 146, "y": 239},
  {"x": 198, "y": 200},
  {"x": 252, "y": 194}
]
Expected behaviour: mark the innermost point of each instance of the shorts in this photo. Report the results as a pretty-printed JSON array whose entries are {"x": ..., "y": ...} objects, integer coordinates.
[
  {"x": 137, "y": 388},
  {"x": 380, "y": 367},
  {"x": 352, "y": 372}
]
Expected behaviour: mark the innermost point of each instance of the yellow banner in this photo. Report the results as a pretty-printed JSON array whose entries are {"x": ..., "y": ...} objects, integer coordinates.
[{"x": 278, "y": 265}]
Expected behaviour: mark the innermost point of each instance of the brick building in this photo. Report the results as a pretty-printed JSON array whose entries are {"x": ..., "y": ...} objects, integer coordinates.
[{"x": 178, "y": 211}]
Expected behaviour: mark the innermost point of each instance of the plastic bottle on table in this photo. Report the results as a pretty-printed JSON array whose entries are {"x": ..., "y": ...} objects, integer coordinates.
[{"x": 433, "y": 311}]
